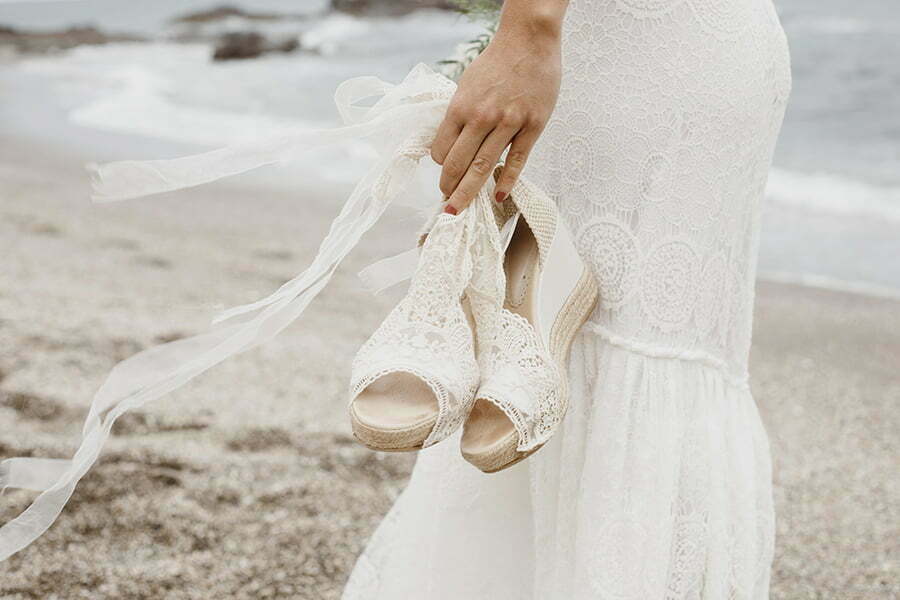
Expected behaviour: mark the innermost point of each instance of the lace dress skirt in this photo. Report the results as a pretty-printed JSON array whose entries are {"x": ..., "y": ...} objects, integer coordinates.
[{"x": 658, "y": 483}]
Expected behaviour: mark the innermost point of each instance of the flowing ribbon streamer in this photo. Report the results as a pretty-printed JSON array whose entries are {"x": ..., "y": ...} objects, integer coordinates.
[
  {"x": 390, "y": 271},
  {"x": 400, "y": 126}
]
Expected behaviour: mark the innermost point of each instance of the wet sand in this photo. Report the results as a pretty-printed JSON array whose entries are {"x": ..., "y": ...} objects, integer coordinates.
[{"x": 247, "y": 484}]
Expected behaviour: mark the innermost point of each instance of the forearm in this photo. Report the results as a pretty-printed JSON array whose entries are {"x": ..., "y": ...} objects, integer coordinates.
[{"x": 534, "y": 20}]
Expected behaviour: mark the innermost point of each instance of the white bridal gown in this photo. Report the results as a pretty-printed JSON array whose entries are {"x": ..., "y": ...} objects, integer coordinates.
[{"x": 658, "y": 485}]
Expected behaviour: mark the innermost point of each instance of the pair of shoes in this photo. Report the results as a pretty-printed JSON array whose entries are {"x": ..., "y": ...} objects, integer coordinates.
[{"x": 482, "y": 337}]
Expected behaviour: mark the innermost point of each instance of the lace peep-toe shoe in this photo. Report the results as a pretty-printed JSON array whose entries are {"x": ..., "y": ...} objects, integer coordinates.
[
  {"x": 413, "y": 381},
  {"x": 549, "y": 294}
]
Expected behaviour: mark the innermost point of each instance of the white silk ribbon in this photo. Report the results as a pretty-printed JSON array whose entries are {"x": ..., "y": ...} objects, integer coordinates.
[
  {"x": 400, "y": 127},
  {"x": 389, "y": 271}
]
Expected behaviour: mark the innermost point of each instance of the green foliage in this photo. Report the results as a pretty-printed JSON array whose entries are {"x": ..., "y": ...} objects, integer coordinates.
[
  {"x": 483, "y": 11},
  {"x": 480, "y": 10},
  {"x": 465, "y": 54}
]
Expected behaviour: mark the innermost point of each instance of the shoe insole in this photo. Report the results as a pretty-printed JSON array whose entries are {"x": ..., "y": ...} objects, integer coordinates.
[
  {"x": 520, "y": 266},
  {"x": 486, "y": 428},
  {"x": 395, "y": 401}
]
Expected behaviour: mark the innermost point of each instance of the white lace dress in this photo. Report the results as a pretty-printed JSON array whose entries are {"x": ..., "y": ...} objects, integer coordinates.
[{"x": 658, "y": 484}]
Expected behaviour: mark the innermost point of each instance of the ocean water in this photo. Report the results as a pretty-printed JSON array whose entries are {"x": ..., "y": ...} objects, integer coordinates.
[
  {"x": 833, "y": 214},
  {"x": 833, "y": 210},
  {"x": 138, "y": 16}
]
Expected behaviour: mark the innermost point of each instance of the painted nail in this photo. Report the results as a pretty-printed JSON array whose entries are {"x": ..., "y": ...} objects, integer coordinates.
[
  {"x": 500, "y": 196},
  {"x": 450, "y": 209}
]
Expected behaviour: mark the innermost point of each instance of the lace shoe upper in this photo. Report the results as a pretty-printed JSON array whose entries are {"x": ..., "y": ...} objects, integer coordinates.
[
  {"x": 518, "y": 372},
  {"x": 428, "y": 333}
]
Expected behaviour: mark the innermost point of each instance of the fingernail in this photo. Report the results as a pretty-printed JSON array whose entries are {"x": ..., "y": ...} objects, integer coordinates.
[
  {"x": 450, "y": 209},
  {"x": 500, "y": 196}
]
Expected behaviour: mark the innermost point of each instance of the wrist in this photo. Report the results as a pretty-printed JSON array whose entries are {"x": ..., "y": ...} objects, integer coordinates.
[{"x": 534, "y": 21}]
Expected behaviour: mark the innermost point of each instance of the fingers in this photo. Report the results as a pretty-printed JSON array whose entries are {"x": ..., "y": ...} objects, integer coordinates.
[
  {"x": 461, "y": 155},
  {"x": 480, "y": 167},
  {"x": 447, "y": 133},
  {"x": 515, "y": 161},
  {"x": 470, "y": 142}
]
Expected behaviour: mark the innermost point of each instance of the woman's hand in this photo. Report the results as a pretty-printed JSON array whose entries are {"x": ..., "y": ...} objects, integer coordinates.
[{"x": 504, "y": 98}]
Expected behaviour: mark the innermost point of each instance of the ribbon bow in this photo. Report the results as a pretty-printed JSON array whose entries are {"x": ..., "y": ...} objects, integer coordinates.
[{"x": 400, "y": 126}]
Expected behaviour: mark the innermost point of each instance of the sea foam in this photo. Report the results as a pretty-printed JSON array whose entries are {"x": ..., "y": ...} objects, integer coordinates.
[{"x": 833, "y": 194}]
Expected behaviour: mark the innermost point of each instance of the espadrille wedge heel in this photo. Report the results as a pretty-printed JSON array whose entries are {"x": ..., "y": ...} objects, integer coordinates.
[
  {"x": 523, "y": 394},
  {"x": 413, "y": 381}
]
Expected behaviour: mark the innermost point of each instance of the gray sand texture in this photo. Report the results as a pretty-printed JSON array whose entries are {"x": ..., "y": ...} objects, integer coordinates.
[{"x": 247, "y": 484}]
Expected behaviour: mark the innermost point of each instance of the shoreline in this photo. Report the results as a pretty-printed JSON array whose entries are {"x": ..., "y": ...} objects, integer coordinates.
[
  {"x": 811, "y": 234},
  {"x": 820, "y": 282}
]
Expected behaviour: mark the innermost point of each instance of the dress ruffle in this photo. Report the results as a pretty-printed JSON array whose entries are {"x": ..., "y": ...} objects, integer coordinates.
[{"x": 658, "y": 485}]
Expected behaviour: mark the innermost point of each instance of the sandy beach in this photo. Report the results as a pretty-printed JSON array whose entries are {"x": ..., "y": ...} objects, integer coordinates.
[{"x": 247, "y": 484}]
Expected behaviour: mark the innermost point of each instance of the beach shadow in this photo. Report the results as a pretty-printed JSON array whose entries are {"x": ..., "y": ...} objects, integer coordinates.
[
  {"x": 171, "y": 336},
  {"x": 141, "y": 423},
  {"x": 259, "y": 439},
  {"x": 33, "y": 407},
  {"x": 156, "y": 262},
  {"x": 45, "y": 229},
  {"x": 278, "y": 255}
]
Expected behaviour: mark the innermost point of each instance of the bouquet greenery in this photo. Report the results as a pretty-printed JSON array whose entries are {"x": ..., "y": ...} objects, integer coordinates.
[{"x": 482, "y": 11}]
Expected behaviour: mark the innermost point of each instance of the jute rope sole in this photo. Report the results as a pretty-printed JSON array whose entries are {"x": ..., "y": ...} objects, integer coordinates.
[{"x": 407, "y": 439}]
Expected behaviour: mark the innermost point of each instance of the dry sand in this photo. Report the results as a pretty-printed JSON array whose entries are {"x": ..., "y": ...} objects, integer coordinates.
[{"x": 247, "y": 484}]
